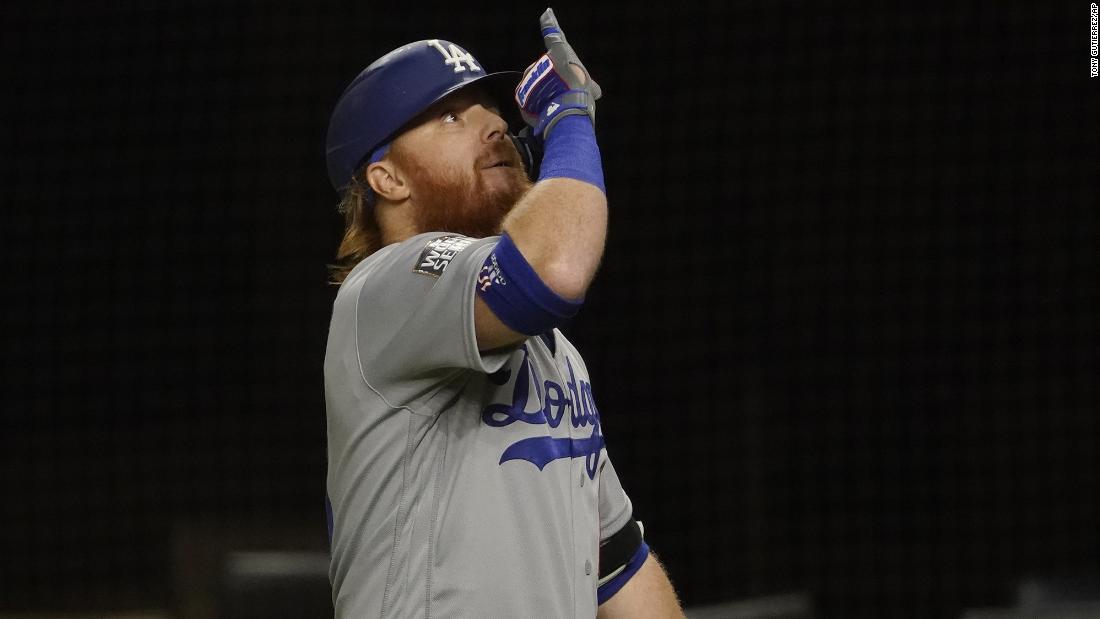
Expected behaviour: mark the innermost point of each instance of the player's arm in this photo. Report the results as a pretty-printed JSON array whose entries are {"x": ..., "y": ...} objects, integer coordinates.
[
  {"x": 647, "y": 595},
  {"x": 631, "y": 582},
  {"x": 554, "y": 238},
  {"x": 560, "y": 228}
]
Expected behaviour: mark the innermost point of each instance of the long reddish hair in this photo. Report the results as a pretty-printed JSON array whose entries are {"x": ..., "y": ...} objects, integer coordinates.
[{"x": 362, "y": 235}]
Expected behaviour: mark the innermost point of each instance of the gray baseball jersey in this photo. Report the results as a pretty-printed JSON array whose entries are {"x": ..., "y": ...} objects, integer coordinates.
[{"x": 462, "y": 483}]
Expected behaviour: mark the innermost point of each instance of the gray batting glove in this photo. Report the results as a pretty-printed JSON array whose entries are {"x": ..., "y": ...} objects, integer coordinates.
[{"x": 557, "y": 84}]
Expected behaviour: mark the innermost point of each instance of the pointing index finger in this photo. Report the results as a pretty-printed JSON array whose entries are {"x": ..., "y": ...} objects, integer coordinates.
[{"x": 551, "y": 31}]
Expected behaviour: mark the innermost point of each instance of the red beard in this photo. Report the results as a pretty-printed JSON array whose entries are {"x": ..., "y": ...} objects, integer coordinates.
[{"x": 461, "y": 204}]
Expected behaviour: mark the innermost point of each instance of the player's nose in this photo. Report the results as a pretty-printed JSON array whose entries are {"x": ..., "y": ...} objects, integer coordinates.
[{"x": 493, "y": 127}]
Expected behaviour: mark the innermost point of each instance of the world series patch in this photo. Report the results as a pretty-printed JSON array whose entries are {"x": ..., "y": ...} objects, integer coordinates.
[{"x": 439, "y": 252}]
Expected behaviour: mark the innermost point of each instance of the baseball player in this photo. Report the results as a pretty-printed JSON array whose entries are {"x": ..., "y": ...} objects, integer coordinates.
[{"x": 467, "y": 471}]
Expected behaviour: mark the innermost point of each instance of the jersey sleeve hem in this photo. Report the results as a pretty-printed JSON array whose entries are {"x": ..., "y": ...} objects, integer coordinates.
[
  {"x": 489, "y": 361},
  {"x": 605, "y": 591}
]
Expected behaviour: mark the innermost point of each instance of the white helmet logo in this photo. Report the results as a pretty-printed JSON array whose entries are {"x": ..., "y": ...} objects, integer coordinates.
[{"x": 455, "y": 56}]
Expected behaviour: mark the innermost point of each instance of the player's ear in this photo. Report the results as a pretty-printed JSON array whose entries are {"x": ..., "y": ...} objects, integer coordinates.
[{"x": 387, "y": 181}]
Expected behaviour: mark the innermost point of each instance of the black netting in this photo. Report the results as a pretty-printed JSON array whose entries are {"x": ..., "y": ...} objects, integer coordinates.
[{"x": 841, "y": 340}]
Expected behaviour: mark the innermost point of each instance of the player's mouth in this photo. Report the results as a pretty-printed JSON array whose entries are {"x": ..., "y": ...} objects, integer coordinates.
[{"x": 500, "y": 155}]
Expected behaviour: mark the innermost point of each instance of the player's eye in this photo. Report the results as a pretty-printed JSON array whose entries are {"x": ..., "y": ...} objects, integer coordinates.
[{"x": 449, "y": 117}]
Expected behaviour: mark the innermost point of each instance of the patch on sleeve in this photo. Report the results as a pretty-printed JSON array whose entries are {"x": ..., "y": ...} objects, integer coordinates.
[{"x": 439, "y": 252}]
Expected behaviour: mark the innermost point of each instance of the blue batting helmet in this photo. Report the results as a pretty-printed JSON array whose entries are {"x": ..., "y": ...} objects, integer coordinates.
[{"x": 396, "y": 88}]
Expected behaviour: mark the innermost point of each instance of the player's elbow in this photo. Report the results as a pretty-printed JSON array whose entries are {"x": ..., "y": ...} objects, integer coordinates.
[
  {"x": 570, "y": 271},
  {"x": 566, "y": 280}
]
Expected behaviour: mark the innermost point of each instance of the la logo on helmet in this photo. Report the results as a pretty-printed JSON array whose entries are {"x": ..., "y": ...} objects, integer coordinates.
[{"x": 455, "y": 56}]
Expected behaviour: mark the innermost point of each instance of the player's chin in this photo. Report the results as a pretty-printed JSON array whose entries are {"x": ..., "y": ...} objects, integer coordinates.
[
  {"x": 505, "y": 181},
  {"x": 500, "y": 174}
]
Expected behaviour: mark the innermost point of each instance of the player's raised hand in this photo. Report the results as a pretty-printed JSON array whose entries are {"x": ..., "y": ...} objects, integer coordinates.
[{"x": 557, "y": 84}]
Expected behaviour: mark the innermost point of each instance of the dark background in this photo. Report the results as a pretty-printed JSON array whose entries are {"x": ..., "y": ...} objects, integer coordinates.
[{"x": 842, "y": 341}]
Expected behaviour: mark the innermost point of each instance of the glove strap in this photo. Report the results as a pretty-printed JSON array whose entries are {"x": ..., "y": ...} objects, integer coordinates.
[{"x": 571, "y": 102}]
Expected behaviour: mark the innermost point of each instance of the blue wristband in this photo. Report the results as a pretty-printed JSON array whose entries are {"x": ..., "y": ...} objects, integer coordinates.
[{"x": 571, "y": 152}]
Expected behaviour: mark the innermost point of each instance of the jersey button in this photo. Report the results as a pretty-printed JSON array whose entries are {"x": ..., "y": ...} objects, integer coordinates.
[
  {"x": 582, "y": 480},
  {"x": 587, "y": 567}
]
